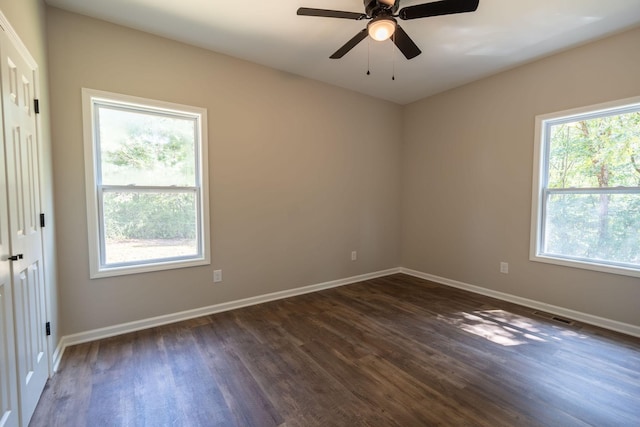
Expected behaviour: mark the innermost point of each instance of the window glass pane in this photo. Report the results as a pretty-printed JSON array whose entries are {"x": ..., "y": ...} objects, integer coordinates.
[
  {"x": 599, "y": 227},
  {"x": 144, "y": 226},
  {"x": 146, "y": 149},
  {"x": 595, "y": 152}
]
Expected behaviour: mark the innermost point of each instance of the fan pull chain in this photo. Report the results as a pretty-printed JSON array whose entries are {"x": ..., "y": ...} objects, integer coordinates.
[
  {"x": 393, "y": 57},
  {"x": 368, "y": 56}
]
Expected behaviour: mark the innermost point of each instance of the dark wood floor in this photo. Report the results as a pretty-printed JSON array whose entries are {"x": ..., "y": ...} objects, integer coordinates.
[{"x": 395, "y": 351}]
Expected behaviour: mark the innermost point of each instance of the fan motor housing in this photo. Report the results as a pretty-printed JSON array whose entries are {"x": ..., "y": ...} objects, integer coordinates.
[{"x": 374, "y": 8}]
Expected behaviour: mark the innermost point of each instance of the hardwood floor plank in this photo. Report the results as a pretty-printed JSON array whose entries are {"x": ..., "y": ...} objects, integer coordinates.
[
  {"x": 197, "y": 394},
  {"x": 287, "y": 371},
  {"x": 393, "y": 351},
  {"x": 69, "y": 398},
  {"x": 243, "y": 396},
  {"x": 150, "y": 373},
  {"x": 111, "y": 385},
  {"x": 377, "y": 401}
]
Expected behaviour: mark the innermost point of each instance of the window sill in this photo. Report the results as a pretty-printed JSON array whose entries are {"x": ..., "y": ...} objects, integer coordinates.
[
  {"x": 146, "y": 268},
  {"x": 586, "y": 265}
]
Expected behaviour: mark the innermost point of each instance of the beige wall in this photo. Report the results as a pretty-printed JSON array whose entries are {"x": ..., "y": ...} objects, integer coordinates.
[
  {"x": 301, "y": 173},
  {"x": 467, "y": 174},
  {"x": 27, "y": 17}
]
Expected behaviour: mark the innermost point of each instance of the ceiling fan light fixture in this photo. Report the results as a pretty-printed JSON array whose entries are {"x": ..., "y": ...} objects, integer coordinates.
[{"x": 381, "y": 29}]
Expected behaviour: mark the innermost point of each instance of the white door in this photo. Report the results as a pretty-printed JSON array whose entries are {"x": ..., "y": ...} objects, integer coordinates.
[
  {"x": 8, "y": 384},
  {"x": 22, "y": 167}
]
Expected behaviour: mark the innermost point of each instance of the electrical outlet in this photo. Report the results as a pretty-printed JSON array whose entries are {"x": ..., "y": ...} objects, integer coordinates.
[
  {"x": 504, "y": 267},
  {"x": 354, "y": 255},
  {"x": 217, "y": 276}
]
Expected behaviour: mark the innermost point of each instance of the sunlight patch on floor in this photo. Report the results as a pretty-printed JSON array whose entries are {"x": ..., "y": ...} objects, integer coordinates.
[{"x": 497, "y": 326}]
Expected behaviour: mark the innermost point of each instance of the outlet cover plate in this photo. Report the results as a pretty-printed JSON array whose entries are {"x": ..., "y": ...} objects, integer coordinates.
[
  {"x": 504, "y": 267},
  {"x": 217, "y": 276}
]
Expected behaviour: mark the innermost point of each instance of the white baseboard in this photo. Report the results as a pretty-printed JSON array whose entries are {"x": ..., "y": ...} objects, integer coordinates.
[
  {"x": 57, "y": 355},
  {"x": 110, "y": 331},
  {"x": 96, "y": 334},
  {"x": 590, "y": 319}
]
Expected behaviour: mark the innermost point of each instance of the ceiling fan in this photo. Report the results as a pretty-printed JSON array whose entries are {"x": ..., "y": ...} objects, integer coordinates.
[{"x": 383, "y": 25}]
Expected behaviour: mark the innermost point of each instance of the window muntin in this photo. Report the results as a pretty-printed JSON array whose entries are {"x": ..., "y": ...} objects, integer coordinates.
[
  {"x": 146, "y": 184},
  {"x": 586, "y": 207}
]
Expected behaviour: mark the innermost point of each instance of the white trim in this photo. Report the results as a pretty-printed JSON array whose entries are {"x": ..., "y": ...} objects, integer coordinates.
[
  {"x": 537, "y": 185},
  {"x": 124, "y": 328},
  {"x": 587, "y": 265},
  {"x": 17, "y": 41},
  {"x": 540, "y": 157},
  {"x": 110, "y": 331},
  {"x": 89, "y": 99},
  {"x": 595, "y": 109},
  {"x": 57, "y": 356},
  {"x": 590, "y": 319}
]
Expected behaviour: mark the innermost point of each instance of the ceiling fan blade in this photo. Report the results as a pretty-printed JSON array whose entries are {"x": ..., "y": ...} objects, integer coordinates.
[
  {"x": 306, "y": 11},
  {"x": 405, "y": 44},
  {"x": 350, "y": 44},
  {"x": 437, "y": 8}
]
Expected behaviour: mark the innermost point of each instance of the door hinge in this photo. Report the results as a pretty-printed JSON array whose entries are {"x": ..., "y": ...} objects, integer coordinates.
[
  {"x": 47, "y": 326},
  {"x": 36, "y": 106},
  {"x": 41, "y": 220}
]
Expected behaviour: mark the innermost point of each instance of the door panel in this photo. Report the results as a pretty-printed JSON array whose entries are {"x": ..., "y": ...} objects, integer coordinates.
[
  {"x": 8, "y": 386},
  {"x": 22, "y": 166},
  {"x": 29, "y": 333}
]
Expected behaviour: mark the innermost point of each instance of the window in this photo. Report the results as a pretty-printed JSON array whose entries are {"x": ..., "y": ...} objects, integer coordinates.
[
  {"x": 146, "y": 180},
  {"x": 586, "y": 195}
]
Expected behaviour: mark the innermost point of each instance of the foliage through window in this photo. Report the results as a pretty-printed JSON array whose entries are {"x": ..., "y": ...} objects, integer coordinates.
[
  {"x": 146, "y": 184},
  {"x": 587, "y": 195}
]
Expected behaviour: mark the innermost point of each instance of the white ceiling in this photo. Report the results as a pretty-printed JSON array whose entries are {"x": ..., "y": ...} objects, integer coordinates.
[{"x": 456, "y": 49}]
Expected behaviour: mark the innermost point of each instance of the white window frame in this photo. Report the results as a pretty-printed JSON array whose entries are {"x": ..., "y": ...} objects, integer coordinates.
[
  {"x": 94, "y": 188},
  {"x": 540, "y": 176}
]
